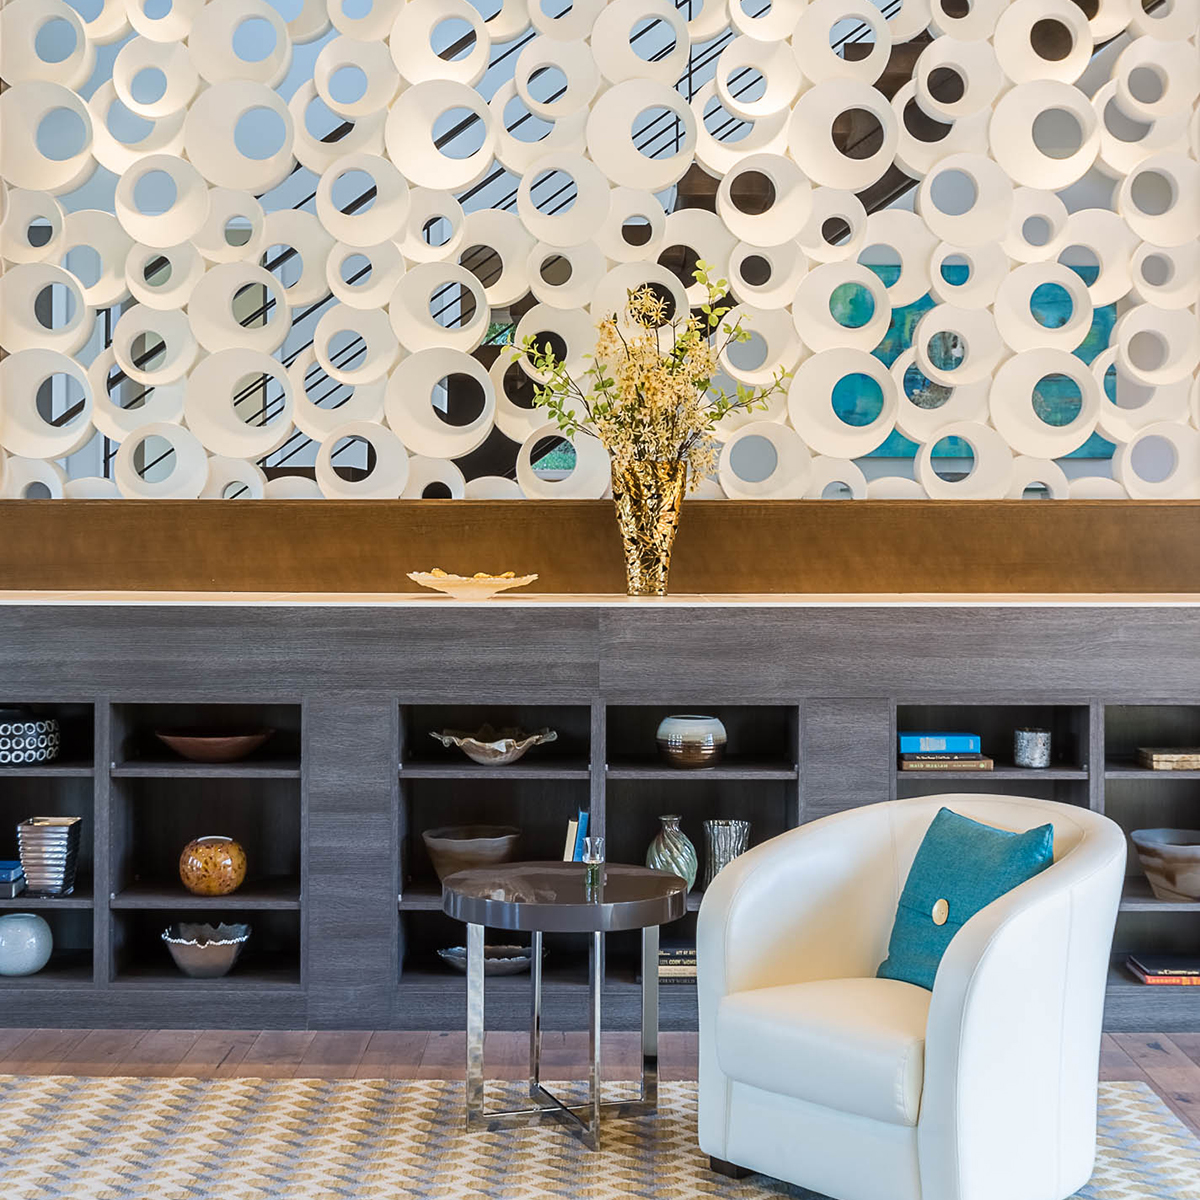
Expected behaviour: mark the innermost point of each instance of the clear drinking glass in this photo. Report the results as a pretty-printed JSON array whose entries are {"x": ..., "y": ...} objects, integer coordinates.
[{"x": 593, "y": 858}]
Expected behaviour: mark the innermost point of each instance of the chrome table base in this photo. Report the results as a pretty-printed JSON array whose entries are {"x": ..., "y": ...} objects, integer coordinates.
[{"x": 583, "y": 1120}]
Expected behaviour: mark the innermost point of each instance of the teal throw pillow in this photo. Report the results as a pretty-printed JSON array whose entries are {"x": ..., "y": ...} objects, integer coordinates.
[{"x": 961, "y": 866}]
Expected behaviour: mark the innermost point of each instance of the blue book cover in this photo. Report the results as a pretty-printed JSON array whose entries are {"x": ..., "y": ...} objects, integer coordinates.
[
  {"x": 939, "y": 743},
  {"x": 10, "y": 869},
  {"x": 580, "y": 834}
]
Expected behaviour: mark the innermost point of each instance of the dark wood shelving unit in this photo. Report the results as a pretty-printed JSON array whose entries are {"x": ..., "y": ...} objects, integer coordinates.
[{"x": 345, "y": 907}]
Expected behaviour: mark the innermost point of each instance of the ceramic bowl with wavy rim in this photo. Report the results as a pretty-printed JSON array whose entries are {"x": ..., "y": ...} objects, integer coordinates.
[
  {"x": 205, "y": 951},
  {"x": 494, "y": 748},
  {"x": 497, "y": 960}
]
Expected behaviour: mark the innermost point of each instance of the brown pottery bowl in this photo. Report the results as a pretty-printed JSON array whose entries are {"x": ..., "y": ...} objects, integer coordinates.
[
  {"x": 1171, "y": 860},
  {"x": 457, "y": 847},
  {"x": 198, "y": 745}
]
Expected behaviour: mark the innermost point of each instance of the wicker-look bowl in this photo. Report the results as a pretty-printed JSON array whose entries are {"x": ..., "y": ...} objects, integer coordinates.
[
  {"x": 1171, "y": 860},
  {"x": 457, "y": 847}
]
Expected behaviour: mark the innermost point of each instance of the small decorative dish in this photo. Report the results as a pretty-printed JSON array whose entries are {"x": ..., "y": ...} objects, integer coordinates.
[
  {"x": 492, "y": 747},
  {"x": 480, "y": 586},
  {"x": 497, "y": 960},
  {"x": 459, "y": 847},
  {"x": 213, "y": 746},
  {"x": 205, "y": 951}
]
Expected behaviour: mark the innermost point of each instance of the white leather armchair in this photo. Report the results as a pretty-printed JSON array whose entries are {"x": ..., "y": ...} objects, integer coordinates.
[{"x": 815, "y": 1072}]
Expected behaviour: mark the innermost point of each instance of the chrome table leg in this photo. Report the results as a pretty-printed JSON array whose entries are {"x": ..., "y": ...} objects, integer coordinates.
[
  {"x": 535, "y": 1017},
  {"x": 475, "y": 1115},
  {"x": 650, "y": 1018}
]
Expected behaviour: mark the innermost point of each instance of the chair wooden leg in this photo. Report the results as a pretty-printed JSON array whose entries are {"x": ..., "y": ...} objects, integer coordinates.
[{"x": 728, "y": 1169}]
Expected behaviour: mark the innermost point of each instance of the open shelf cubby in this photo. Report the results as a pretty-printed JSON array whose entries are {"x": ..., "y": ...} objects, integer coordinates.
[{"x": 138, "y": 753}]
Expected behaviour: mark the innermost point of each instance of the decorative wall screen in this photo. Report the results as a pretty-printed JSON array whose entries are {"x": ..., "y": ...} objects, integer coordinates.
[{"x": 278, "y": 249}]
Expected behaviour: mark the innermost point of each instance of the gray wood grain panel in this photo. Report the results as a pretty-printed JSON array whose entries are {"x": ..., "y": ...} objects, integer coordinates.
[
  {"x": 848, "y": 755},
  {"x": 351, "y": 786}
]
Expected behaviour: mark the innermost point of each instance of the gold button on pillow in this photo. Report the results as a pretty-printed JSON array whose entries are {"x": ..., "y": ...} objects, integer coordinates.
[{"x": 941, "y": 910}]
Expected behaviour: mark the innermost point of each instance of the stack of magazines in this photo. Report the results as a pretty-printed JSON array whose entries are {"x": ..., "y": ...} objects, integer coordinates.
[
  {"x": 1178, "y": 970},
  {"x": 677, "y": 963},
  {"x": 942, "y": 752}
]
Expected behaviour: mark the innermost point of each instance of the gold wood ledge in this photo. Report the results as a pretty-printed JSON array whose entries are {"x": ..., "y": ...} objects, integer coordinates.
[{"x": 786, "y": 547}]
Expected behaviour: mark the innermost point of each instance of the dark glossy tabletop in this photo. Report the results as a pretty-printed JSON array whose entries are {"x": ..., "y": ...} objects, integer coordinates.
[{"x": 551, "y": 897}]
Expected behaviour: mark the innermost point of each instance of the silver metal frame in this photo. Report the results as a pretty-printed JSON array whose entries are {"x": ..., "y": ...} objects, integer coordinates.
[{"x": 583, "y": 1120}]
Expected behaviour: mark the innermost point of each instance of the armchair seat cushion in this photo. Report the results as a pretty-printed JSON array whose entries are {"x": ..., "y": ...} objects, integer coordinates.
[{"x": 856, "y": 1045}]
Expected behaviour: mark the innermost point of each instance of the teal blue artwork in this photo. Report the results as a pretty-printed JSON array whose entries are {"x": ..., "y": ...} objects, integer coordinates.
[{"x": 856, "y": 399}]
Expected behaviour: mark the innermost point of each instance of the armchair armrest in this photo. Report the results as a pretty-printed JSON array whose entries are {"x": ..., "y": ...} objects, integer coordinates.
[{"x": 1013, "y": 1036}]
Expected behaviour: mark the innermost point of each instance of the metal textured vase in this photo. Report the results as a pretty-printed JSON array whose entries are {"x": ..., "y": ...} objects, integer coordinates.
[
  {"x": 726, "y": 840},
  {"x": 672, "y": 851},
  {"x": 648, "y": 494}
]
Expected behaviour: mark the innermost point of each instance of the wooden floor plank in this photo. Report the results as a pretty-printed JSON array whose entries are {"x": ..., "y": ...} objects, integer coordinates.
[
  {"x": 275, "y": 1054},
  {"x": 445, "y": 1057},
  {"x": 679, "y": 1055},
  {"x": 391, "y": 1054},
  {"x": 1152, "y": 1051},
  {"x": 103, "y": 1050},
  {"x": 333, "y": 1054},
  {"x": 10, "y": 1040},
  {"x": 1115, "y": 1063},
  {"x": 1189, "y": 1043},
  {"x": 1180, "y": 1088},
  {"x": 44, "y": 1052},
  {"x": 158, "y": 1053},
  {"x": 216, "y": 1053}
]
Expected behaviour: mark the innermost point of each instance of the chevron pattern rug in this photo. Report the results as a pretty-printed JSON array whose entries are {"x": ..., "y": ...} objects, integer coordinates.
[{"x": 68, "y": 1138}]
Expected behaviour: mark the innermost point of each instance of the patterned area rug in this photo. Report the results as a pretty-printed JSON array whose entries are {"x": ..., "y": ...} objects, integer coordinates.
[{"x": 68, "y": 1138}]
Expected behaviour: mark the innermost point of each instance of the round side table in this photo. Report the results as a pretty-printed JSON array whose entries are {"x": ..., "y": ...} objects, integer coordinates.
[{"x": 553, "y": 897}]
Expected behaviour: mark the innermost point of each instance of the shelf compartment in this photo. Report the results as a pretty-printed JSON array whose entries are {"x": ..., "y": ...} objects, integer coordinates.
[
  {"x": 570, "y": 750},
  {"x": 70, "y": 962},
  {"x": 66, "y": 969},
  {"x": 635, "y": 806},
  {"x": 759, "y": 737},
  {"x": 282, "y": 893},
  {"x": 269, "y": 960},
  {"x": 136, "y": 752},
  {"x": 154, "y": 818},
  {"x": 995, "y": 725},
  {"x": 46, "y": 795},
  {"x": 77, "y": 730},
  {"x": 1128, "y": 726},
  {"x": 539, "y": 808}
]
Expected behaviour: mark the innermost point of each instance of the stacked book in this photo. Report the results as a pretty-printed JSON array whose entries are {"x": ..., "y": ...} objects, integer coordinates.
[
  {"x": 942, "y": 752},
  {"x": 1178, "y": 970},
  {"x": 12, "y": 879},
  {"x": 677, "y": 963},
  {"x": 577, "y": 830},
  {"x": 1158, "y": 759}
]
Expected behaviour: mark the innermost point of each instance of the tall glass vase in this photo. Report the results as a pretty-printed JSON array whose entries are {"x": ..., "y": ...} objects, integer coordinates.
[{"x": 648, "y": 494}]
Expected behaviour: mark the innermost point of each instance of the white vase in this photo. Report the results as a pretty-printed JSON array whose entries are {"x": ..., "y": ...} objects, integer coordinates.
[{"x": 25, "y": 943}]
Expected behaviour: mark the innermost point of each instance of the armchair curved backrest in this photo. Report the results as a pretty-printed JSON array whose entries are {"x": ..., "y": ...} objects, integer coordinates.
[{"x": 1013, "y": 1032}]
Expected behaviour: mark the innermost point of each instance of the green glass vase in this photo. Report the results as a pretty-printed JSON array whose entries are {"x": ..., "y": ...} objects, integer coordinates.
[{"x": 672, "y": 851}]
